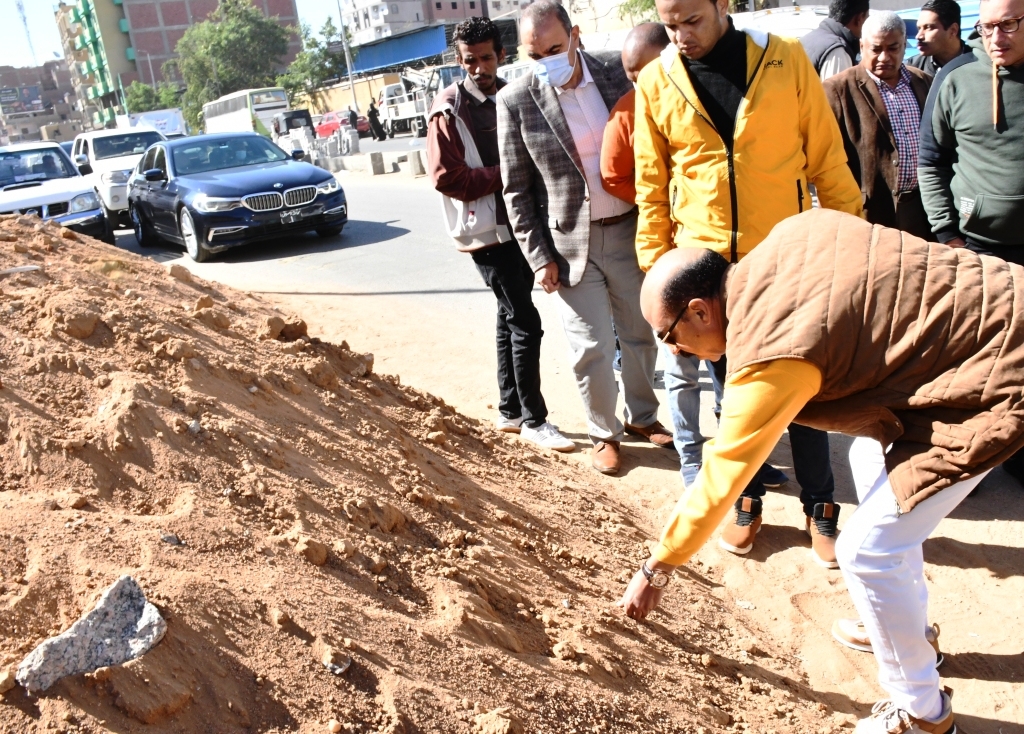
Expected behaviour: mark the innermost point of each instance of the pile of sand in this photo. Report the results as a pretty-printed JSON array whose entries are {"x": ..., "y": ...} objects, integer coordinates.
[{"x": 332, "y": 550}]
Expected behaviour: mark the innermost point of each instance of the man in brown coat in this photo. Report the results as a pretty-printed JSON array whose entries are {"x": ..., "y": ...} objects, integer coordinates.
[
  {"x": 887, "y": 341},
  {"x": 878, "y": 105}
]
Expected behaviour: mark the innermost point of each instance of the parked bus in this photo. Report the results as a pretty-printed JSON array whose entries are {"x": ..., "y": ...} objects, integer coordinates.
[{"x": 250, "y": 110}]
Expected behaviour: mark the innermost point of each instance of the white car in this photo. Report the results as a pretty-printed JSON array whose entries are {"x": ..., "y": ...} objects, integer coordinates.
[
  {"x": 107, "y": 158},
  {"x": 39, "y": 178}
]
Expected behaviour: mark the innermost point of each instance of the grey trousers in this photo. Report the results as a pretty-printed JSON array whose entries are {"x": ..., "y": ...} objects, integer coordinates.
[{"x": 610, "y": 291}]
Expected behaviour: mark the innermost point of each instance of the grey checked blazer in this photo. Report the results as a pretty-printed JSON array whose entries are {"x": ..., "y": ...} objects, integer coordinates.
[{"x": 545, "y": 189}]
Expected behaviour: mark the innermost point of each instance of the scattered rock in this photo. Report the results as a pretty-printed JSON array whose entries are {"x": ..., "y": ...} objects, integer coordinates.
[
  {"x": 204, "y": 301},
  {"x": 178, "y": 349},
  {"x": 334, "y": 726},
  {"x": 7, "y": 681},
  {"x": 121, "y": 627},
  {"x": 180, "y": 272},
  {"x": 564, "y": 651},
  {"x": 213, "y": 318},
  {"x": 750, "y": 647},
  {"x": 76, "y": 501},
  {"x": 716, "y": 714},
  {"x": 272, "y": 328},
  {"x": 312, "y": 550},
  {"x": 336, "y": 661},
  {"x": 279, "y": 617},
  {"x": 68, "y": 234},
  {"x": 438, "y": 437},
  {"x": 708, "y": 661},
  {"x": 80, "y": 324},
  {"x": 294, "y": 330},
  {"x": 345, "y": 548},
  {"x": 498, "y": 721},
  {"x": 171, "y": 539}
]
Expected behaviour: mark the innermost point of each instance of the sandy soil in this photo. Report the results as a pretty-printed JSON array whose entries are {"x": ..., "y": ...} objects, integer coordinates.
[
  {"x": 287, "y": 506},
  {"x": 974, "y": 563}
]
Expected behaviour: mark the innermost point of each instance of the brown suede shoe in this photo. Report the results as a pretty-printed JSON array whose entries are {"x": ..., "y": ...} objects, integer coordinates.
[
  {"x": 738, "y": 536},
  {"x": 823, "y": 528},
  {"x": 605, "y": 457},
  {"x": 655, "y": 433}
]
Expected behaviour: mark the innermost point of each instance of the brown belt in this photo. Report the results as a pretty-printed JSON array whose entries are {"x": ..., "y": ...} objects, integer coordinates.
[{"x": 608, "y": 221}]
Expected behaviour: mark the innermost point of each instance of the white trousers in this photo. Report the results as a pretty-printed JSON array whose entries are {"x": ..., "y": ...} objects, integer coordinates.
[{"x": 881, "y": 557}]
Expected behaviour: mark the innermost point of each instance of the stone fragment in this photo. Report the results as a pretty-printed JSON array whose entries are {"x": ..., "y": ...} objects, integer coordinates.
[
  {"x": 212, "y": 318},
  {"x": 498, "y": 721},
  {"x": 7, "y": 681},
  {"x": 437, "y": 437},
  {"x": 122, "y": 626},
  {"x": 102, "y": 381},
  {"x": 378, "y": 564},
  {"x": 272, "y": 328},
  {"x": 312, "y": 550},
  {"x": 80, "y": 324},
  {"x": 178, "y": 349},
  {"x": 204, "y": 301},
  {"x": 564, "y": 651},
  {"x": 20, "y": 247},
  {"x": 707, "y": 661},
  {"x": 180, "y": 272},
  {"x": 334, "y": 726},
  {"x": 279, "y": 617},
  {"x": 294, "y": 330},
  {"x": 335, "y": 660},
  {"x": 68, "y": 234},
  {"x": 171, "y": 539},
  {"x": 76, "y": 501},
  {"x": 716, "y": 714},
  {"x": 345, "y": 548},
  {"x": 320, "y": 373}
]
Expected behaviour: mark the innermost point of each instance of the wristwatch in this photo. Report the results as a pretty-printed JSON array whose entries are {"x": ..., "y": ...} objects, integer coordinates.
[{"x": 657, "y": 579}]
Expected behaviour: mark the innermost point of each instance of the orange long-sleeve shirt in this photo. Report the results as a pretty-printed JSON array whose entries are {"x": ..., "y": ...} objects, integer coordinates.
[
  {"x": 760, "y": 401},
  {"x": 618, "y": 171}
]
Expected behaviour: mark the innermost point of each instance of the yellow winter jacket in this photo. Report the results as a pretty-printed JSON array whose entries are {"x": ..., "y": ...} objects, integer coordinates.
[{"x": 785, "y": 137}]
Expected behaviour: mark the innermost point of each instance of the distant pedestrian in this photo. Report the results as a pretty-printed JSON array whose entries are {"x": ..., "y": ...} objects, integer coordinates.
[
  {"x": 878, "y": 105},
  {"x": 353, "y": 120},
  {"x": 938, "y": 36},
  {"x": 731, "y": 128},
  {"x": 578, "y": 238},
  {"x": 833, "y": 46},
  {"x": 462, "y": 155},
  {"x": 373, "y": 115}
]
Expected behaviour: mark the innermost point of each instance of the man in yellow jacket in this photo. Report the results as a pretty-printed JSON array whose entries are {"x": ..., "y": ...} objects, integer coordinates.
[{"x": 731, "y": 128}]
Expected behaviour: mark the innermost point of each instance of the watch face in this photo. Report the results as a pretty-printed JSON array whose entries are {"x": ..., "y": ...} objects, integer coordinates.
[{"x": 659, "y": 580}]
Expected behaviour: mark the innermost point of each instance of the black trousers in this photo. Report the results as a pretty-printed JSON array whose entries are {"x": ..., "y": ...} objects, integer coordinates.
[
  {"x": 507, "y": 274},
  {"x": 811, "y": 462}
]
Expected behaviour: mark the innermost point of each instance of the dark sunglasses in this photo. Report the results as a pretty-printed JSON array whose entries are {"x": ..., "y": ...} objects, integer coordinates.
[{"x": 663, "y": 337}]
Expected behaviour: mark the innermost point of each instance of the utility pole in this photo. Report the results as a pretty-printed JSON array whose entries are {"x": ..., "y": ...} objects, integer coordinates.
[
  {"x": 348, "y": 58},
  {"x": 152, "y": 78}
]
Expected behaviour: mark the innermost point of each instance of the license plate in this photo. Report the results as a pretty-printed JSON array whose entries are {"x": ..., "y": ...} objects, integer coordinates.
[{"x": 291, "y": 217}]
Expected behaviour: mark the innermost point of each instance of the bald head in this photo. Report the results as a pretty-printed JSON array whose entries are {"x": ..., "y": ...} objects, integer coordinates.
[
  {"x": 682, "y": 295},
  {"x": 643, "y": 44}
]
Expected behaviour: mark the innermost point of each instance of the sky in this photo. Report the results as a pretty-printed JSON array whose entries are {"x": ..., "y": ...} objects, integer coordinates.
[{"x": 14, "y": 51}]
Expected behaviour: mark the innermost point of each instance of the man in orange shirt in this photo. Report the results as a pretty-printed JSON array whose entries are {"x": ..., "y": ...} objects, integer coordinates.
[{"x": 643, "y": 44}]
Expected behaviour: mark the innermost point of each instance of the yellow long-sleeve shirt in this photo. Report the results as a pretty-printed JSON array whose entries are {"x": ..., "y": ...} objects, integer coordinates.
[{"x": 759, "y": 403}]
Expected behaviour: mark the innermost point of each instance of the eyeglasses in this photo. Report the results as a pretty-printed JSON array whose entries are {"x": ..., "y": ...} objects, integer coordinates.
[
  {"x": 663, "y": 337},
  {"x": 1007, "y": 25}
]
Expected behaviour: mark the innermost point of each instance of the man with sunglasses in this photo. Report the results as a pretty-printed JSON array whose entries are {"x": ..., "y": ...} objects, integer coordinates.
[
  {"x": 731, "y": 128},
  {"x": 914, "y": 348},
  {"x": 971, "y": 163}
]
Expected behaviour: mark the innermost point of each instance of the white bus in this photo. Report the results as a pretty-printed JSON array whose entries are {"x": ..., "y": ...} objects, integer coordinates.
[{"x": 250, "y": 110}]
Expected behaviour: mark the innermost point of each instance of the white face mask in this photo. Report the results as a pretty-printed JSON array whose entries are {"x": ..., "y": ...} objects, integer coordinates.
[{"x": 555, "y": 71}]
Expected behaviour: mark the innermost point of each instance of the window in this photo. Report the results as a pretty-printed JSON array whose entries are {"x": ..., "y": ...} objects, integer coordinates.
[
  {"x": 472, "y": 5},
  {"x": 496, "y": 5},
  {"x": 161, "y": 160},
  {"x": 437, "y": 5},
  {"x": 417, "y": 16},
  {"x": 146, "y": 163},
  {"x": 455, "y": 6},
  {"x": 394, "y": 9},
  {"x": 24, "y": 131}
]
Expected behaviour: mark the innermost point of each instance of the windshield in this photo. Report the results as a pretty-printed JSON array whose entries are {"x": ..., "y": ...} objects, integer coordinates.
[
  {"x": 40, "y": 164},
  {"x": 116, "y": 146},
  {"x": 214, "y": 155},
  {"x": 269, "y": 97}
]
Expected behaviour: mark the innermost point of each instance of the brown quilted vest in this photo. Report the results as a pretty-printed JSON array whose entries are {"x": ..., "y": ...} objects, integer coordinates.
[{"x": 920, "y": 346}]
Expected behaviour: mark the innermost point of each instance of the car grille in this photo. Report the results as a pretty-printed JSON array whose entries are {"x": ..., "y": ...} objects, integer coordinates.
[
  {"x": 57, "y": 209},
  {"x": 300, "y": 196},
  {"x": 262, "y": 202},
  {"x": 50, "y": 210}
]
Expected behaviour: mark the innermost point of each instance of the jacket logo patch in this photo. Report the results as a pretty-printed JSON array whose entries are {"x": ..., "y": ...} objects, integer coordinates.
[{"x": 773, "y": 63}]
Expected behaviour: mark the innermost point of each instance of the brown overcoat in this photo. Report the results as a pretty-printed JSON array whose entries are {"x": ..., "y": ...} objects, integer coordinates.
[
  {"x": 871, "y": 147},
  {"x": 920, "y": 346}
]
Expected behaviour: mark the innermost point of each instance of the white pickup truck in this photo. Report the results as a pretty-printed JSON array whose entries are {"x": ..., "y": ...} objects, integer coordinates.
[
  {"x": 39, "y": 178},
  {"x": 107, "y": 158}
]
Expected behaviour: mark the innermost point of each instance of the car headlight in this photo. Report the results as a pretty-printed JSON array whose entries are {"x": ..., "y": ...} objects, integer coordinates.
[
  {"x": 329, "y": 186},
  {"x": 84, "y": 203},
  {"x": 206, "y": 203},
  {"x": 115, "y": 177}
]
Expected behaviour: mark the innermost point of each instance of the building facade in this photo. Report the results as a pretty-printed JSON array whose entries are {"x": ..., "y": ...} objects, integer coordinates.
[
  {"x": 34, "y": 97},
  {"x": 112, "y": 43},
  {"x": 372, "y": 20}
]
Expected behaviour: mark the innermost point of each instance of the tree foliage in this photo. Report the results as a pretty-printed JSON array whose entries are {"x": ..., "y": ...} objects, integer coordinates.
[
  {"x": 141, "y": 97},
  {"x": 236, "y": 47},
  {"x": 639, "y": 10},
  {"x": 316, "y": 64}
]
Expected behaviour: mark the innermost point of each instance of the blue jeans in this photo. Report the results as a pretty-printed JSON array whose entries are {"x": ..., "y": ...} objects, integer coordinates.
[{"x": 683, "y": 391}]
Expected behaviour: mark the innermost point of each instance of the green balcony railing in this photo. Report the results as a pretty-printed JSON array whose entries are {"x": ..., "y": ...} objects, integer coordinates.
[
  {"x": 130, "y": 53},
  {"x": 123, "y": 24}
]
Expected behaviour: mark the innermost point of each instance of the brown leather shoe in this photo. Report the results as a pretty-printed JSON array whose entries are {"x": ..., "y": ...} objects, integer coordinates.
[
  {"x": 655, "y": 433},
  {"x": 738, "y": 537},
  {"x": 824, "y": 529},
  {"x": 605, "y": 457}
]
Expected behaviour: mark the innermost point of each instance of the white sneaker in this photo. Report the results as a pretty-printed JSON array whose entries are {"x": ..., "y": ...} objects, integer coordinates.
[
  {"x": 508, "y": 425},
  {"x": 887, "y": 719},
  {"x": 547, "y": 435}
]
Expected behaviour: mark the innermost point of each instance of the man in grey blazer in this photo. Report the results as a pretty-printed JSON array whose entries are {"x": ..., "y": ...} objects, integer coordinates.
[{"x": 578, "y": 238}]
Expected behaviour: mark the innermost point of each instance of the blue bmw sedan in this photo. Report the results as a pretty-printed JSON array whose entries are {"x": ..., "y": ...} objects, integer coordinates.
[{"x": 213, "y": 192}]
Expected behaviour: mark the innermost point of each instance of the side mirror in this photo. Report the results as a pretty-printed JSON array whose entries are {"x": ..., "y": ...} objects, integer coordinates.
[
  {"x": 81, "y": 160},
  {"x": 298, "y": 154},
  {"x": 154, "y": 174}
]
